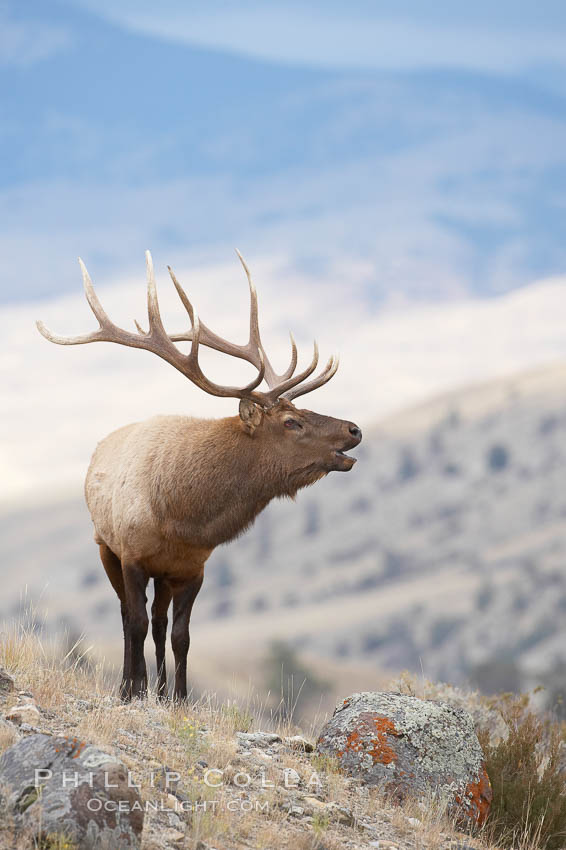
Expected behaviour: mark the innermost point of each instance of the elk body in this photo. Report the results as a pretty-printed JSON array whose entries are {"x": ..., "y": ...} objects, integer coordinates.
[{"x": 164, "y": 493}]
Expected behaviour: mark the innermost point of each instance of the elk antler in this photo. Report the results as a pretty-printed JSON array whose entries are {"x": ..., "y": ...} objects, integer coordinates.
[{"x": 157, "y": 341}]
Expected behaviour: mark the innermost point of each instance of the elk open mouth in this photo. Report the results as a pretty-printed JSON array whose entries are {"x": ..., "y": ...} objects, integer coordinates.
[{"x": 343, "y": 462}]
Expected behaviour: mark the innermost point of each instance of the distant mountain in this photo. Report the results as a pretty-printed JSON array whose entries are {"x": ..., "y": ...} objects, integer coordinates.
[
  {"x": 443, "y": 551},
  {"x": 443, "y": 182}
]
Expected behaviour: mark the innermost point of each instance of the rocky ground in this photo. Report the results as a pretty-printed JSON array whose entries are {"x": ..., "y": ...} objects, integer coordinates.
[{"x": 208, "y": 777}]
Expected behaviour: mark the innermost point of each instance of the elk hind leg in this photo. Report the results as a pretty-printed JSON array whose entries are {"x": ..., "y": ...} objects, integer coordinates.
[
  {"x": 159, "y": 609},
  {"x": 184, "y": 596},
  {"x": 135, "y": 584}
]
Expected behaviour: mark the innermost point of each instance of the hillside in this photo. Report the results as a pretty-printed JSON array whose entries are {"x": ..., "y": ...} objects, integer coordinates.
[
  {"x": 442, "y": 552},
  {"x": 214, "y": 775}
]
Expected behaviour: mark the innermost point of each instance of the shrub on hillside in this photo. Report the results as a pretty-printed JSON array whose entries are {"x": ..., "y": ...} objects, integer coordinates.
[
  {"x": 287, "y": 675},
  {"x": 497, "y": 458},
  {"x": 529, "y": 800}
]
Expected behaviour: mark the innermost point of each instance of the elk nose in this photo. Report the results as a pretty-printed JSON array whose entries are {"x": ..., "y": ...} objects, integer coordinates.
[{"x": 356, "y": 432}]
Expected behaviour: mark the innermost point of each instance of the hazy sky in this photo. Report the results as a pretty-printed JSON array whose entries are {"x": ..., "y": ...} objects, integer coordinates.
[
  {"x": 506, "y": 36},
  {"x": 427, "y": 141}
]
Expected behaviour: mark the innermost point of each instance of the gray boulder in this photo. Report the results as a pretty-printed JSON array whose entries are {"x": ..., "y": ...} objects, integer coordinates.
[
  {"x": 65, "y": 787},
  {"x": 411, "y": 747}
]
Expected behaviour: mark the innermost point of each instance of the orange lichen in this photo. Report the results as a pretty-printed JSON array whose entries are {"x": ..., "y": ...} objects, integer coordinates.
[
  {"x": 377, "y": 746},
  {"x": 381, "y": 751},
  {"x": 353, "y": 744},
  {"x": 478, "y": 796}
]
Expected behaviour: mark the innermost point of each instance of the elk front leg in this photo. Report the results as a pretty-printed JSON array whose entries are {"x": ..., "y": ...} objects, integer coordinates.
[
  {"x": 161, "y": 601},
  {"x": 184, "y": 596},
  {"x": 113, "y": 568},
  {"x": 135, "y": 583}
]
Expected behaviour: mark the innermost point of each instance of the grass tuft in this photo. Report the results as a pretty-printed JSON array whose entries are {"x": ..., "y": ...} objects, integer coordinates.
[{"x": 529, "y": 800}]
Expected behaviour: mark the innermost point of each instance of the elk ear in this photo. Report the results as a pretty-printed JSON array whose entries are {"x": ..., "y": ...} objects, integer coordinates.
[{"x": 251, "y": 415}]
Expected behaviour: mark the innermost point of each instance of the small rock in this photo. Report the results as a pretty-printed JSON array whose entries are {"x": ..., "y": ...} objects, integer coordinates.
[
  {"x": 369, "y": 827},
  {"x": 340, "y": 814},
  {"x": 337, "y": 813},
  {"x": 258, "y": 739},
  {"x": 26, "y": 698},
  {"x": 314, "y": 803},
  {"x": 175, "y": 821},
  {"x": 172, "y": 802},
  {"x": 127, "y": 734},
  {"x": 27, "y": 713},
  {"x": 297, "y": 742},
  {"x": 414, "y": 821},
  {"x": 260, "y": 755},
  {"x": 296, "y": 811},
  {"x": 172, "y": 836},
  {"x": 7, "y": 683},
  {"x": 27, "y": 727}
]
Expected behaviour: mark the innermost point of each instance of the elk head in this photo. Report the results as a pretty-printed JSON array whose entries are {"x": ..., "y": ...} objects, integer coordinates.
[
  {"x": 305, "y": 445},
  {"x": 306, "y": 441}
]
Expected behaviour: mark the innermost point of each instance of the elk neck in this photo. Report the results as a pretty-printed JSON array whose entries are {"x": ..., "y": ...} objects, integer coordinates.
[{"x": 223, "y": 479}]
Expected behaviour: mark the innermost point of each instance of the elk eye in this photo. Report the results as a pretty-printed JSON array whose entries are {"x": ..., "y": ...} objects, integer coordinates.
[{"x": 292, "y": 423}]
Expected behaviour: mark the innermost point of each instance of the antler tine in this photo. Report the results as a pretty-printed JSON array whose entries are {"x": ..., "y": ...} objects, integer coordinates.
[
  {"x": 204, "y": 383},
  {"x": 92, "y": 298},
  {"x": 293, "y": 364},
  {"x": 255, "y": 338},
  {"x": 182, "y": 295},
  {"x": 104, "y": 333},
  {"x": 153, "y": 314},
  {"x": 283, "y": 386},
  {"x": 272, "y": 378},
  {"x": 328, "y": 372},
  {"x": 94, "y": 336},
  {"x": 208, "y": 337}
]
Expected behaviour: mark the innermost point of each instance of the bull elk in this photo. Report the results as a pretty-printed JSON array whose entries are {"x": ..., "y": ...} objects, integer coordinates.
[{"x": 164, "y": 493}]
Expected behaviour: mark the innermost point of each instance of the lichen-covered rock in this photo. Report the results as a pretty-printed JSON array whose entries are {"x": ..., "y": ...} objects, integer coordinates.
[
  {"x": 410, "y": 747},
  {"x": 65, "y": 787}
]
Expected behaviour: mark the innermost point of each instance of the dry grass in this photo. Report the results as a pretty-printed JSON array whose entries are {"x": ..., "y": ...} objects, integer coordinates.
[
  {"x": 8, "y": 736},
  {"x": 529, "y": 790}
]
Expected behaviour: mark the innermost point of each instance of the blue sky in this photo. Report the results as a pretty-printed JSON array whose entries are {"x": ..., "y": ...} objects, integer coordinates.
[
  {"x": 428, "y": 142},
  {"x": 506, "y": 36}
]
